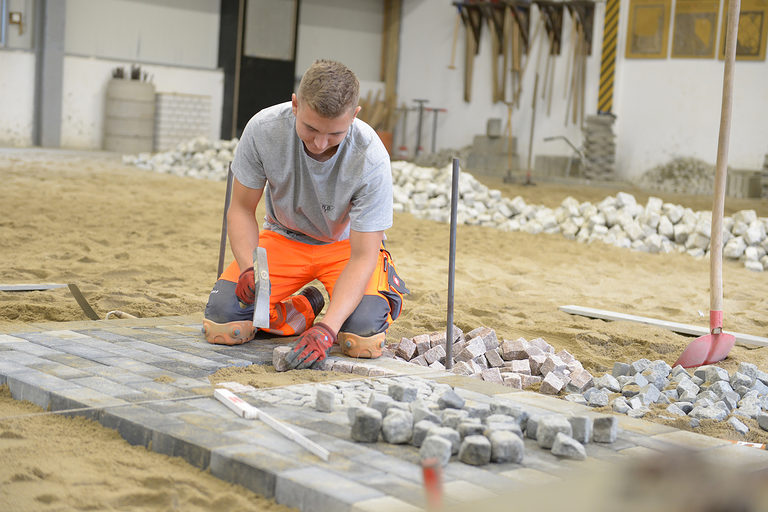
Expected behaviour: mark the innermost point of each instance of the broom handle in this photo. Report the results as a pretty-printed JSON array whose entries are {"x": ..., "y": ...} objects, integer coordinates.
[{"x": 721, "y": 169}]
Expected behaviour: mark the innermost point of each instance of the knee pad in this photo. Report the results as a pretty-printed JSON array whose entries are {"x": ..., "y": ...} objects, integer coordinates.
[
  {"x": 368, "y": 347},
  {"x": 223, "y": 306},
  {"x": 369, "y": 318},
  {"x": 230, "y": 333}
]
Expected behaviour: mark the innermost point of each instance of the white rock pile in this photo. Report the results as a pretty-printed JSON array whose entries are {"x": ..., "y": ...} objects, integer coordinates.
[
  {"x": 514, "y": 363},
  {"x": 656, "y": 227},
  {"x": 441, "y": 421},
  {"x": 710, "y": 392},
  {"x": 198, "y": 158}
]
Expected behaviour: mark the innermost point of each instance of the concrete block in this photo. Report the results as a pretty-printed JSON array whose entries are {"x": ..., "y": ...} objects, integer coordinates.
[
  {"x": 436, "y": 447},
  {"x": 581, "y": 427},
  {"x": 506, "y": 447},
  {"x": 307, "y": 489},
  {"x": 366, "y": 425},
  {"x": 605, "y": 429},
  {"x": 397, "y": 427},
  {"x": 567, "y": 447},
  {"x": 548, "y": 428},
  {"x": 475, "y": 450}
]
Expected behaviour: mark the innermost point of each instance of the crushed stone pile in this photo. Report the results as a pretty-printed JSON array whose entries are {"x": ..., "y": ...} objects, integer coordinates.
[
  {"x": 679, "y": 176},
  {"x": 441, "y": 421},
  {"x": 198, "y": 158},
  {"x": 656, "y": 227},
  {"x": 710, "y": 392},
  {"x": 516, "y": 363}
]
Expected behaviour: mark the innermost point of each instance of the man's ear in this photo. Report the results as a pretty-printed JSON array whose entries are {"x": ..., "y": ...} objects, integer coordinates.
[
  {"x": 294, "y": 103},
  {"x": 357, "y": 111}
]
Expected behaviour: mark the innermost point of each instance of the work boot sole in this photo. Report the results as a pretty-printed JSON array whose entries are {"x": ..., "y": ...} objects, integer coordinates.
[{"x": 230, "y": 333}]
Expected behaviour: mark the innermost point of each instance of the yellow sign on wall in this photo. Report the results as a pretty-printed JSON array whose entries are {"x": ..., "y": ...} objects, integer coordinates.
[
  {"x": 648, "y": 29},
  {"x": 753, "y": 30},
  {"x": 695, "y": 28}
]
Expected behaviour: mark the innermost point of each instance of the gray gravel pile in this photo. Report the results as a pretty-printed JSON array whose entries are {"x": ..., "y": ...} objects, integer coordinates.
[
  {"x": 197, "y": 158},
  {"x": 656, "y": 227},
  {"x": 443, "y": 157},
  {"x": 514, "y": 363},
  {"x": 680, "y": 176},
  {"x": 599, "y": 147},
  {"x": 709, "y": 392},
  {"x": 442, "y": 422}
]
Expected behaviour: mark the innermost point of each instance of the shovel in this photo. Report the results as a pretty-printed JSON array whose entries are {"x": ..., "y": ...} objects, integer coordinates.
[{"x": 715, "y": 346}]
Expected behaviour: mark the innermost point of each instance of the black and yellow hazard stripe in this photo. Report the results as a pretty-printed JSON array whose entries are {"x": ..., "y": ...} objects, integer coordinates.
[{"x": 608, "y": 60}]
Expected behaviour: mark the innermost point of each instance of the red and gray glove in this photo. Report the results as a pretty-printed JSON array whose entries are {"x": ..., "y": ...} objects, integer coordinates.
[
  {"x": 311, "y": 347},
  {"x": 246, "y": 287}
]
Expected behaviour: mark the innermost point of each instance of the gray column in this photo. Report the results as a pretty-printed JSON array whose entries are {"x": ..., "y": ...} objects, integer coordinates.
[{"x": 49, "y": 71}]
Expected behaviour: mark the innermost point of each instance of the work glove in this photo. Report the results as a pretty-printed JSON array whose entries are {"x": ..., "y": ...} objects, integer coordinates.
[
  {"x": 246, "y": 287},
  {"x": 311, "y": 347}
]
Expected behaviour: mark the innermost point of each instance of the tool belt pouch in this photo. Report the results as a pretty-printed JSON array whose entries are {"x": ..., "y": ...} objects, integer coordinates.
[{"x": 390, "y": 285}]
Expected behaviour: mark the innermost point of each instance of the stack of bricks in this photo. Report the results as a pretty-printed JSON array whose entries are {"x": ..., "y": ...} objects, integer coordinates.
[
  {"x": 179, "y": 118},
  {"x": 599, "y": 148},
  {"x": 516, "y": 363}
]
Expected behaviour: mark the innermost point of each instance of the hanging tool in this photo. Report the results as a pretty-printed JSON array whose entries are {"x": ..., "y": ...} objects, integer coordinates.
[
  {"x": 456, "y": 26},
  {"x": 508, "y": 178},
  {"x": 528, "y": 180},
  {"x": 435, "y": 112},
  {"x": 223, "y": 238},
  {"x": 402, "y": 149},
  {"x": 418, "y": 125},
  {"x": 472, "y": 17},
  {"x": 715, "y": 346}
]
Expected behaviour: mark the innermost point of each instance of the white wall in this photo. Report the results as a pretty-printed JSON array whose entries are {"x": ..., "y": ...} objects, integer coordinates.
[
  {"x": 345, "y": 30},
  {"x": 176, "y": 32},
  {"x": 17, "y": 94},
  {"x": 665, "y": 108},
  {"x": 84, "y": 88}
]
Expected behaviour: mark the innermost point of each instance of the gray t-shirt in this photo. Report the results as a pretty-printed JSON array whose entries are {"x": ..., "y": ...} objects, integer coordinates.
[{"x": 310, "y": 201}]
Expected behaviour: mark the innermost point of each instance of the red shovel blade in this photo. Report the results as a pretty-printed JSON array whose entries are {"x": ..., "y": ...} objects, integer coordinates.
[{"x": 707, "y": 349}]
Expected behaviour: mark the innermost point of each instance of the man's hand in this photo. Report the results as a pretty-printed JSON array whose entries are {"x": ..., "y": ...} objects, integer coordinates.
[
  {"x": 246, "y": 287},
  {"x": 311, "y": 347}
]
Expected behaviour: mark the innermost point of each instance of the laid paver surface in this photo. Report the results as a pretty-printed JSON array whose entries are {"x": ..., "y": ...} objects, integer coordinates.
[{"x": 148, "y": 379}]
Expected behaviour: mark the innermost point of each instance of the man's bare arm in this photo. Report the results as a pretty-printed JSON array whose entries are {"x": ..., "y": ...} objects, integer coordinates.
[
  {"x": 353, "y": 280},
  {"x": 242, "y": 226}
]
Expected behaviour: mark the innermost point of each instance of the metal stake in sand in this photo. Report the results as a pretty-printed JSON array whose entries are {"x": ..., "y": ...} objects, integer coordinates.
[{"x": 452, "y": 265}]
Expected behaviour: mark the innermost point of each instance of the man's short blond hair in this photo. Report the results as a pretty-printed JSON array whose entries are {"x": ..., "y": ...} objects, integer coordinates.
[{"x": 329, "y": 88}]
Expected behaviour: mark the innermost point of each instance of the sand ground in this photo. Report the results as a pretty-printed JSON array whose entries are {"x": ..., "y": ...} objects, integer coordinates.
[{"x": 147, "y": 244}]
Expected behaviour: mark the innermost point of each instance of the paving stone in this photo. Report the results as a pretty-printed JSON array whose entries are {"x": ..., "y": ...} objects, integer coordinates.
[
  {"x": 424, "y": 413},
  {"x": 741, "y": 379},
  {"x": 450, "y": 399},
  {"x": 436, "y": 447},
  {"x": 306, "y": 489},
  {"x": 543, "y": 345},
  {"x": 713, "y": 374},
  {"x": 435, "y": 354},
  {"x": 552, "y": 384},
  {"x": 366, "y": 425},
  {"x": 762, "y": 420},
  {"x": 738, "y": 426},
  {"x": 648, "y": 394},
  {"x": 514, "y": 349},
  {"x": 552, "y": 364},
  {"x": 452, "y": 417},
  {"x": 598, "y": 399},
  {"x": 639, "y": 366},
  {"x": 708, "y": 413},
  {"x": 530, "y": 380},
  {"x": 403, "y": 392},
  {"x": 397, "y": 427},
  {"x": 492, "y": 375},
  {"x": 748, "y": 369},
  {"x": 608, "y": 382},
  {"x": 536, "y": 361},
  {"x": 620, "y": 405},
  {"x": 493, "y": 358},
  {"x": 581, "y": 428},
  {"x": 675, "y": 410},
  {"x": 486, "y": 334},
  {"x": 512, "y": 380},
  {"x": 506, "y": 447},
  {"x": 406, "y": 349},
  {"x": 325, "y": 399},
  {"x": 475, "y": 348},
  {"x": 479, "y": 410},
  {"x": 380, "y": 402},
  {"x": 580, "y": 379},
  {"x": 421, "y": 430},
  {"x": 475, "y": 450},
  {"x": 532, "y": 426},
  {"x": 576, "y": 398},
  {"x": 449, "y": 434},
  {"x": 605, "y": 429},
  {"x": 567, "y": 447},
  {"x": 548, "y": 427},
  {"x": 620, "y": 369},
  {"x": 470, "y": 428}
]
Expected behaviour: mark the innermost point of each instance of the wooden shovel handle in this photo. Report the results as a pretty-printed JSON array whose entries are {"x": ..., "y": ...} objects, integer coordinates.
[{"x": 721, "y": 169}]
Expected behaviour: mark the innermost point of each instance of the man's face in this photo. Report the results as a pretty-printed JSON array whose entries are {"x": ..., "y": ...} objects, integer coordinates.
[{"x": 320, "y": 135}]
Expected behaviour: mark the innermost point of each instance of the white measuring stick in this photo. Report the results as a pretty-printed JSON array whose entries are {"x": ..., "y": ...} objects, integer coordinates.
[{"x": 246, "y": 410}]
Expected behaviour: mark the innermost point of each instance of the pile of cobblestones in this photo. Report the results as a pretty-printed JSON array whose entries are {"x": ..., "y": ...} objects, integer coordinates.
[
  {"x": 440, "y": 422},
  {"x": 198, "y": 158},
  {"x": 656, "y": 227},
  {"x": 680, "y": 176},
  {"x": 514, "y": 363},
  {"x": 709, "y": 393}
]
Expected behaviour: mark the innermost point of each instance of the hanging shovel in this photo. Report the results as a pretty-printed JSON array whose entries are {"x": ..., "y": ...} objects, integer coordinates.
[
  {"x": 262, "y": 289},
  {"x": 715, "y": 346}
]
